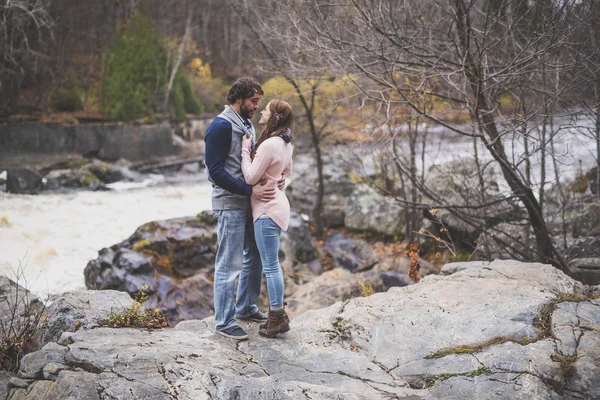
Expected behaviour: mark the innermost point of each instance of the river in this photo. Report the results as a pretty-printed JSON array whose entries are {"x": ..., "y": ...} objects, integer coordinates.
[{"x": 53, "y": 236}]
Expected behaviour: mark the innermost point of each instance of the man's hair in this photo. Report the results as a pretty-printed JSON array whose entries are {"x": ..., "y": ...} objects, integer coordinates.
[{"x": 243, "y": 88}]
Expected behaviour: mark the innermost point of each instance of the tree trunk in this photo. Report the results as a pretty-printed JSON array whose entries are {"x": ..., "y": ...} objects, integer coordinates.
[
  {"x": 597, "y": 90},
  {"x": 186, "y": 34},
  {"x": 473, "y": 72}
]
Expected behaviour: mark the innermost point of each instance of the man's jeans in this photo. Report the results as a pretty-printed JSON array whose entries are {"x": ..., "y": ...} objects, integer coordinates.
[
  {"x": 237, "y": 255},
  {"x": 267, "y": 234}
]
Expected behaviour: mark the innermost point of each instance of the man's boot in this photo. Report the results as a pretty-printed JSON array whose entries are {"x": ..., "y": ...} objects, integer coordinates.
[{"x": 275, "y": 324}]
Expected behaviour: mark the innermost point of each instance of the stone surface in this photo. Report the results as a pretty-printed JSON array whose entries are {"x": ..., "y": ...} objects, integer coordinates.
[
  {"x": 376, "y": 347},
  {"x": 370, "y": 211},
  {"x": 299, "y": 255},
  {"x": 4, "y": 379},
  {"x": 338, "y": 185},
  {"x": 458, "y": 182},
  {"x": 584, "y": 259},
  {"x": 354, "y": 255},
  {"x": 174, "y": 261},
  {"x": 338, "y": 285},
  {"x": 85, "y": 310},
  {"x": 585, "y": 221},
  {"x": 23, "y": 181}
]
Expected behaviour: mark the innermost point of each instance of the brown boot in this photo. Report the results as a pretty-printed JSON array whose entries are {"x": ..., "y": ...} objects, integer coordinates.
[
  {"x": 287, "y": 318},
  {"x": 275, "y": 324}
]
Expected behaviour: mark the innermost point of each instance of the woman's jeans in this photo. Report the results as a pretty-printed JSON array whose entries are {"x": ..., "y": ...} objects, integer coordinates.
[
  {"x": 237, "y": 255},
  {"x": 267, "y": 233}
]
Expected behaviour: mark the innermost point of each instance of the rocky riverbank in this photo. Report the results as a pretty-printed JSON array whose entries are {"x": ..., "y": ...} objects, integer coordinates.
[{"x": 501, "y": 330}]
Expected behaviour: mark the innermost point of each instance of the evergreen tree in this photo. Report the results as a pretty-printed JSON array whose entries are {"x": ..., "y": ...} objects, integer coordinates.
[{"x": 134, "y": 71}]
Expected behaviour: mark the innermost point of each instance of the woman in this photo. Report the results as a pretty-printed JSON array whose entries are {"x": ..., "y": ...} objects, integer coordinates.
[{"x": 269, "y": 160}]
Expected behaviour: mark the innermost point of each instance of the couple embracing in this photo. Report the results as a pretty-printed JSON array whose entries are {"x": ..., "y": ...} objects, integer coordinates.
[{"x": 248, "y": 174}]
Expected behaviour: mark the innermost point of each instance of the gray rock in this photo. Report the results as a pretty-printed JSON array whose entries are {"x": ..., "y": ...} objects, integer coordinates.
[
  {"x": 383, "y": 346},
  {"x": 19, "y": 382},
  {"x": 454, "y": 267},
  {"x": 174, "y": 261},
  {"x": 586, "y": 270},
  {"x": 585, "y": 378},
  {"x": 584, "y": 259},
  {"x": 584, "y": 247},
  {"x": 73, "y": 178},
  {"x": 52, "y": 369},
  {"x": 32, "y": 364},
  {"x": 302, "y": 191},
  {"x": 23, "y": 181},
  {"x": 339, "y": 285},
  {"x": 301, "y": 242},
  {"x": 370, "y": 211},
  {"x": 458, "y": 183},
  {"x": 4, "y": 379},
  {"x": 585, "y": 222},
  {"x": 352, "y": 254},
  {"x": 85, "y": 309}
]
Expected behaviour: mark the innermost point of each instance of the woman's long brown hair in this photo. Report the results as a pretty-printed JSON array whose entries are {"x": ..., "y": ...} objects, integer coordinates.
[{"x": 281, "y": 119}]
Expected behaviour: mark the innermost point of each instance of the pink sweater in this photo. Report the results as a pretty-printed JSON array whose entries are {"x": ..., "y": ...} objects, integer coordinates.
[{"x": 273, "y": 158}]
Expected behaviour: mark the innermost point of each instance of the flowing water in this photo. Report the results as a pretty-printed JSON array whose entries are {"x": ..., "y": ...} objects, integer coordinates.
[{"x": 53, "y": 236}]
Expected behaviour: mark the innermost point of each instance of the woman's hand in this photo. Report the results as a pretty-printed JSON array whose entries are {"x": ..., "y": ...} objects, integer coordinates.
[{"x": 246, "y": 141}]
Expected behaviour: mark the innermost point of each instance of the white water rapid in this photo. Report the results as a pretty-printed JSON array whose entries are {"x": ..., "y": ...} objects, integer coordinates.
[{"x": 53, "y": 236}]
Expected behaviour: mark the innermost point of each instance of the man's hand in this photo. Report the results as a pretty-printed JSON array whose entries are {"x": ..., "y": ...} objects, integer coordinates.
[
  {"x": 263, "y": 193},
  {"x": 281, "y": 182}
]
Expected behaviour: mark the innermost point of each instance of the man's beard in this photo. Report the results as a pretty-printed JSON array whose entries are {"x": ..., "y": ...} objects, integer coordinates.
[{"x": 246, "y": 111}]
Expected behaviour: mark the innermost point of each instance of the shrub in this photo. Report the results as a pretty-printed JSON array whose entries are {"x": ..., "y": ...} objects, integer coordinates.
[
  {"x": 20, "y": 316},
  {"x": 68, "y": 96},
  {"x": 138, "y": 316},
  {"x": 67, "y": 99},
  {"x": 183, "y": 100}
]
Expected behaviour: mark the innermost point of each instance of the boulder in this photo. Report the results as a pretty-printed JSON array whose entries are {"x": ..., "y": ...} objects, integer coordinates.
[
  {"x": 23, "y": 181},
  {"x": 583, "y": 259},
  {"x": 339, "y": 284},
  {"x": 172, "y": 260},
  {"x": 302, "y": 191},
  {"x": 457, "y": 183},
  {"x": 299, "y": 255},
  {"x": 586, "y": 220},
  {"x": 5, "y": 377},
  {"x": 82, "y": 173},
  {"x": 81, "y": 310},
  {"x": 73, "y": 178},
  {"x": 352, "y": 254},
  {"x": 368, "y": 210},
  {"x": 507, "y": 241},
  {"x": 503, "y": 330}
]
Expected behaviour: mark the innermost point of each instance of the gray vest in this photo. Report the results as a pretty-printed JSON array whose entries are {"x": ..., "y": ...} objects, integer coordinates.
[{"x": 223, "y": 199}]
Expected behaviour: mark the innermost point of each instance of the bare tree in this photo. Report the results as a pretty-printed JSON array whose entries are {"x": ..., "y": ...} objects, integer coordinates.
[
  {"x": 179, "y": 58},
  {"x": 468, "y": 54},
  {"x": 281, "y": 54},
  {"x": 24, "y": 24}
]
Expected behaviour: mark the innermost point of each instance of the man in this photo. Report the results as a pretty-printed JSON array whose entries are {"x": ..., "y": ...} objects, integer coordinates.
[{"x": 237, "y": 253}]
